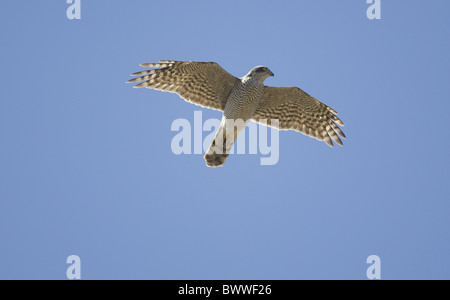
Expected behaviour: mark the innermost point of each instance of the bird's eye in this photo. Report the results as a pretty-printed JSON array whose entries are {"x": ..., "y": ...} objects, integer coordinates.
[{"x": 263, "y": 69}]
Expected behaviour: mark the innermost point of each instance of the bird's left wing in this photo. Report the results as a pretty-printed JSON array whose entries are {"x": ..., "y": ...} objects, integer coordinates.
[
  {"x": 201, "y": 83},
  {"x": 297, "y": 110}
]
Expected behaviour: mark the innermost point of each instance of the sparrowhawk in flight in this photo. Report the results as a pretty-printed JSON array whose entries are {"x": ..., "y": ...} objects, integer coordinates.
[{"x": 247, "y": 98}]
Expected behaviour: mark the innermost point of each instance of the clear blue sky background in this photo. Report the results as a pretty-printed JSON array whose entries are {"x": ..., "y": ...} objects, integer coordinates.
[{"x": 86, "y": 166}]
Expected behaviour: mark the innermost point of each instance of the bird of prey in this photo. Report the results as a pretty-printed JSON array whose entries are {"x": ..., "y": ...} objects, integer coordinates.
[{"x": 246, "y": 98}]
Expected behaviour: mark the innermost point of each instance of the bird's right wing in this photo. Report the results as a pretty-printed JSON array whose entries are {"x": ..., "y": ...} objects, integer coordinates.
[
  {"x": 201, "y": 83},
  {"x": 294, "y": 109}
]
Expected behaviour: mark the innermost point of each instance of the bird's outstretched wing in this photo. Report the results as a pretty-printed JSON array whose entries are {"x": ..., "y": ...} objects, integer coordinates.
[
  {"x": 297, "y": 110},
  {"x": 201, "y": 83}
]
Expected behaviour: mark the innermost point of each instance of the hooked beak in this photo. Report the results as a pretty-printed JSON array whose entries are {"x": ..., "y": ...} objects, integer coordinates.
[{"x": 271, "y": 74}]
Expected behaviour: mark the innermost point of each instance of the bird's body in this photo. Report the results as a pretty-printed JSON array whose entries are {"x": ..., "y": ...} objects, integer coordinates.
[
  {"x": 241, "y": 100},
  {"x": 239, "y": 109},
  {"x": 244, "y": 99}
]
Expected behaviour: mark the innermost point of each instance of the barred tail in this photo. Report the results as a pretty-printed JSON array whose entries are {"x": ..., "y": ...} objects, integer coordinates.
[
  {"x": 215, "y": 160},
  {"x": 216, "y": 154},
  {"x": 223, "y": 142}
]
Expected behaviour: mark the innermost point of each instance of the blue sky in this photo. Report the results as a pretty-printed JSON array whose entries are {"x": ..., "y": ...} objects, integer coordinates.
[{"x": 86, "y": 166}]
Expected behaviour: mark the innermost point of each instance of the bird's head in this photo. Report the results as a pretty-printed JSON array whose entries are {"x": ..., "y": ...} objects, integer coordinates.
[{"x": 260, "y": 73}]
